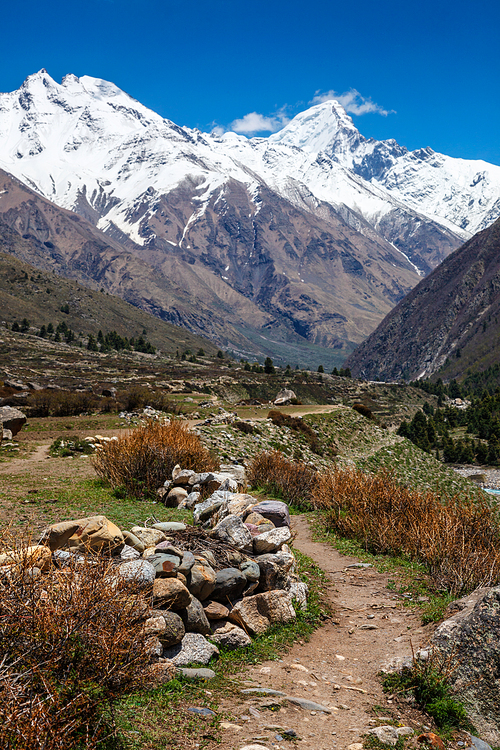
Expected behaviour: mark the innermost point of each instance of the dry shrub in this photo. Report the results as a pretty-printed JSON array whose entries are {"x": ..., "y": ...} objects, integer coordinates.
[
  {"x": 458, "y": 538},
  {"x": 245, "y": 427},
  {"x": 363, "y": 410},
  {"x": 142, "y": 460},
  {"x": 291, "y": 480},
  {"x": 71, "y": 643},
  {"x": 49, "y": 403},
  {"x": 139, "y": 396}
]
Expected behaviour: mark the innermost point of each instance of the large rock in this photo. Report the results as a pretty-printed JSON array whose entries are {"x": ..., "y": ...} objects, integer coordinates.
[
  {"x": 232, "y": 530},
  {"x": 275, "y": 511},
  {"x": 149, "y": 537},
  {"x": 167, "y": 626},
  {"x": 472, "y": 637},
  {"x": 237, "y": 505},
  {"x": 194, "y": 618},
  {"x": 226, "y": 633},
  {"x": 95, "y": 533},
  {"x": 274, "y": 570},
  {"x": 175, "y": 497},
  {"x": 204, "y": 510},
  {"x": 139, "y": 572},
  {"x": 201, "y": 579},
  {"x": 271, "y": 541},
  {"x": 12, "y": 419},
  {"x": 229, "y": 585},
  {"x": 284, "y": 397},
  {"x": 256, "y": 613},
  {"x": 194, "y": 648},
  {"x": 170, "y": 593}
]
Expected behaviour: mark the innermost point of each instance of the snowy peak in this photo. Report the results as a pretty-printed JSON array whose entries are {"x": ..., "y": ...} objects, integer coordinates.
[{"x": 318, "y": 128}]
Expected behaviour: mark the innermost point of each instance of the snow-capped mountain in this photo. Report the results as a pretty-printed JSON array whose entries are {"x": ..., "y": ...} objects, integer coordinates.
[{"x": 306, "y": 238}]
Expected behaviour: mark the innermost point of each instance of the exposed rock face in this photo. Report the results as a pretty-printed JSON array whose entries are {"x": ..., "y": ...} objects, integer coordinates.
[
  {"x": 472, "y": 637},
  {"x": 451, "y": 315},
  {"x": 12, "y": 419}
]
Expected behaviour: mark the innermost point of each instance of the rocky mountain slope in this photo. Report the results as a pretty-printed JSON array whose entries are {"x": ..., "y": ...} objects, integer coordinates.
[
  {"x": 285, "y": 245},
  {"x": 451, "y": 319}
]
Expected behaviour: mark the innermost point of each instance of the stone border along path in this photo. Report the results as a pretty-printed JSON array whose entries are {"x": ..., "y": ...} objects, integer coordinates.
[{"x": 336, "y": 669}]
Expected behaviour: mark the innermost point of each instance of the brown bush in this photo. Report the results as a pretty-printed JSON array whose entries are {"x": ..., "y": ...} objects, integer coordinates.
[
  {"x": 363, "y": 410},
  {"x": 142, "y": 460},
  {"x": 458, "y": 539},
  {"x": 139, "y": 396},
  {"x": 292, "y": 481},
  {"x": 49, "y": 403},
  {"x": 245, "y": 427},
  {"x": 71, "y": 643}
]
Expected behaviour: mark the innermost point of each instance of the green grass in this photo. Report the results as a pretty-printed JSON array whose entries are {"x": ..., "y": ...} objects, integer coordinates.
[{"x": 68, "y": 498}]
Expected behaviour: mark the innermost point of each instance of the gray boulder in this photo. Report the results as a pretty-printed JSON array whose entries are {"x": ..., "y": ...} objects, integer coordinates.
[
  {"x": 194, "y": 649},
  {"x": 275, "y": 511},
  {"x": 169, "y": 628},
  {"x": 271, "y": 541},
  {"x": 471, "y": 637},
  {"x": 233, "y": 531},
  {"x": 194, "y": 618},
  {"x": 229, "y": 585},
  {"x": 274, "y": 570},
  {"x": 141, "y": 572},
  {"x": 284, "y": 397},
  {"x": 12, "y": 419},
  {"x": 228, "y": 634}
]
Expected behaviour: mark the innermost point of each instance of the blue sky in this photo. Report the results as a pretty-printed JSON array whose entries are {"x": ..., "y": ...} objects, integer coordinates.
[{"x": 433, "y": 66}]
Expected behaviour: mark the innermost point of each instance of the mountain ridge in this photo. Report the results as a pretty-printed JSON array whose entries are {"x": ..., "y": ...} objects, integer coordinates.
[
  {"x": 271, "y": 244},
  {"x": 448, "y": 324}
]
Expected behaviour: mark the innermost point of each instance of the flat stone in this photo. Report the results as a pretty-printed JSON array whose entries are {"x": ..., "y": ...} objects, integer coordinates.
[
  {"x": 262, "y": 691},
  {"x": 170, "y": 526},
  {"x": 201, "y": 711},
  {"x": 216, "y": 611},
  {"x": 307, "y": 705},
  {"x": 197, "y": 674}
]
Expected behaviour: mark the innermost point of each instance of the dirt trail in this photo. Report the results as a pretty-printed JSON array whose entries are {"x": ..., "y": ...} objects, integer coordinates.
[
  {"x": 369, "y": 628},
  {"x": 22, "y": 465}
]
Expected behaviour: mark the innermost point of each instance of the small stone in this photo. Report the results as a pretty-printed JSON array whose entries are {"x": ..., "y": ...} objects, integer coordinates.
[
  {"x": 308, "y": 705},
  {"x": 202, "y": 711},
  {"x": 216, "y": 611},
  {"x": 386, "y": 734},
  {"x": 202, "y": 673},
  {"x": 170, "y": 526}
]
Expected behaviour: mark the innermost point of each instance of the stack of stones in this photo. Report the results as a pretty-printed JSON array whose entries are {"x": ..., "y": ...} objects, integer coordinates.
[{"x": 238, "y": 581}]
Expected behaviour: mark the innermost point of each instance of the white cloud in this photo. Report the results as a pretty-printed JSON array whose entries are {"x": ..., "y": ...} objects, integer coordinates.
[
  {"x": 353, "y": 102},
  {"x": 253, "y": 122}
]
